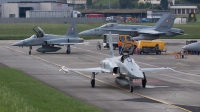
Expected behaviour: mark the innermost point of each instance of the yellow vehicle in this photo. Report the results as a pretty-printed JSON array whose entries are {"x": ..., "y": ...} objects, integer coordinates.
[
  {"x": 152, "y": 46},
  {"x": 116, "y": 38},
  {"x": 127, "y": 39}
]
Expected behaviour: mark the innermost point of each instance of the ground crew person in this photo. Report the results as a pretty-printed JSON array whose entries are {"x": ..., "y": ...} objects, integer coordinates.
[{"x": 120, "y": 46}]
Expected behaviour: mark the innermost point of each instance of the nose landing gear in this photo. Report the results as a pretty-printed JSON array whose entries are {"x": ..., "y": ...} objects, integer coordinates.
[{"x": 30, "y": 48}]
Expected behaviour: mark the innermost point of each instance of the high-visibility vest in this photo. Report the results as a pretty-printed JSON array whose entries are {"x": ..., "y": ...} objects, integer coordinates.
[{"x": 119, "y": 43}]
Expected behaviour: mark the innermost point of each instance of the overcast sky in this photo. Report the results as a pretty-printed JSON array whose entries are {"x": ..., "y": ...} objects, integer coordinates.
[{"x": 4, "y": 1}]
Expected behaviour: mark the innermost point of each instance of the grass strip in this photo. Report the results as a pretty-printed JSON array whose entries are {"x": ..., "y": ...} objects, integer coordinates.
[
  {"x": 19, "y": 31},
  {"x": 22, "y": 93}
]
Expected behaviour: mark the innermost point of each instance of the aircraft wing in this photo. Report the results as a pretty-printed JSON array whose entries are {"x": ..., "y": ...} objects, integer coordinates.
[
  {"x": 124, "y": 30},
  {"x": 85, "y": 43},
  {"x": 149, "y": 31},
  {"x": 96, "y": 70},
  {"x": 155, "y": 69}
]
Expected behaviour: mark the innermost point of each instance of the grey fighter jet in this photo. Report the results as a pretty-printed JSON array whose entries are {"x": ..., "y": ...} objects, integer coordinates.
[
  {"x": 47, "y": 41},
  {"x": 193, "y": 46},
  {"x": 139, "y": 32},
  {"x": 124, "y": 66}
]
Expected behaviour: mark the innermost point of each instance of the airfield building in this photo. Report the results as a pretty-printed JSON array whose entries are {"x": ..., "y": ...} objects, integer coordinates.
[{"x": 36, "y": 9}]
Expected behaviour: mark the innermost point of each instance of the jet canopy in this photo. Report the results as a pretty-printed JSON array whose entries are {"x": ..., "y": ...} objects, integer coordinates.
[
  {"x": 39, "y": 32},
  {"x": 109, "y": 25}
]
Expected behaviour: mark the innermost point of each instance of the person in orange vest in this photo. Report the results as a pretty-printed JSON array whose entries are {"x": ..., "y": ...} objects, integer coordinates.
[{"x": 120, "y": 46}]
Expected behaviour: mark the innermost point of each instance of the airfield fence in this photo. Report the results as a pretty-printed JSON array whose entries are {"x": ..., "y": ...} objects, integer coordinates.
[
  {"x": 52, "y": 20},
  {"x": 82, "y": 20}
]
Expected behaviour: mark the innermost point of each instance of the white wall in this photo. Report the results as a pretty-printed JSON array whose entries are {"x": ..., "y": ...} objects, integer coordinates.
[
  {"x": 180, "y": 21},
  {"x": 58, "y": 6},
  {"x": 45, "y": 6},
  {"x": 11, "y": 8}
]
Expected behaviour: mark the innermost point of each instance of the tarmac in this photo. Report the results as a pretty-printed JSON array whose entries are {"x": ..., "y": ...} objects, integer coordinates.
[{"x": 166, "y": 91}]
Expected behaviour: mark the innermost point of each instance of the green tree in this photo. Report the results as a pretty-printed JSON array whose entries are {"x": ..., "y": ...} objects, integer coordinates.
[
  {"x": 164, "y": 4},
  {"x": 89, "y": 2},
  {"x": 124, "y": 3},
  {"x": 194, "y": 1}
]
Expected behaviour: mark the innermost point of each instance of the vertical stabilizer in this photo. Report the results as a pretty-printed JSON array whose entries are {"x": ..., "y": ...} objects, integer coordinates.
[
  {"x": 72, "y": 31},
  {"x": 165, "y": 22},
  {"x": 111, "y": 46}
]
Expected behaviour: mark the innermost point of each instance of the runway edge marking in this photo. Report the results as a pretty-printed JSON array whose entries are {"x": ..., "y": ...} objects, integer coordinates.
[{"x": 144, "y": 96}]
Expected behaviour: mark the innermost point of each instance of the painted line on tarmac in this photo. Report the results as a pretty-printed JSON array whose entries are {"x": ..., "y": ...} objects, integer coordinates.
[
  {"x": 144, "y": 96},
  {"x": 181, "y": 79}
]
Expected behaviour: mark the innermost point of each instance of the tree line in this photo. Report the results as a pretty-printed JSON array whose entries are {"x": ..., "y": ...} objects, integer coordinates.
[{"x": 133, "y": 4}]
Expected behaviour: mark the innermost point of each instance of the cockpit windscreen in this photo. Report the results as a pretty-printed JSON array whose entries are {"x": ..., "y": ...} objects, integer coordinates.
[{"x": 108, "y": 25}]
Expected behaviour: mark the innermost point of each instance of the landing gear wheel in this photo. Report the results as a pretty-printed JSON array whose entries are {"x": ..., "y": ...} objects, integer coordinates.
[
  {"x": 98, "y": 46},
  {"x": 114, "y": 47},
  {"x": 131, "y": 89},
  {"x": 131, "y": 84},
  {"x": 93, "y": 83},
  {"x": 68, "y": 52},
  {"x": 30, "y": 47},
  {"x": 144, "y": 81},
  {"x": 68, "y": 49},
  {"x": 43, "y": 52}
]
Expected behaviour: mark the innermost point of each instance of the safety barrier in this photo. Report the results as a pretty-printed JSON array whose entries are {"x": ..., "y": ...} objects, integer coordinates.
[{"x": 180, "y": 55}]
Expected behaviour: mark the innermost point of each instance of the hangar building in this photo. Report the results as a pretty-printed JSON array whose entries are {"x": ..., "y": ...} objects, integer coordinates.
[{"x": 18, "y": 9}]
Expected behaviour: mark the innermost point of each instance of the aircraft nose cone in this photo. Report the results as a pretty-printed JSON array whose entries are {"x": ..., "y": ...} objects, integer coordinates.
[
  {"x": 183, "y": 47},
  {"x": 20, "y": 43},
  {"x": 193, "y": 46},
  {"x": 84, "y": 33},
  {"x": 87, "y": 33}
]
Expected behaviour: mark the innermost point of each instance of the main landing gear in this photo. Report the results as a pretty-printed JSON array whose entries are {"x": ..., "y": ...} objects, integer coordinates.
[
  {"x": 93, "y": 79},
  {"x": 68, "y": 49},
  {"x": 30, "y": 47},
  {"x": 144, "y": 81}
]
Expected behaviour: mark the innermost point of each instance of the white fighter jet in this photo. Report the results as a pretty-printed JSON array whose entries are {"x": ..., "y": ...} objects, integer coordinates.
[{"x": 124, "y": 66}]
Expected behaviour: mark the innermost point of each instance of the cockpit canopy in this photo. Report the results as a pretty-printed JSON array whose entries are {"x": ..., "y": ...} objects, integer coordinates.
[
  {"x": 39, "y": 32},
  {"x": 109, "y": 25}
]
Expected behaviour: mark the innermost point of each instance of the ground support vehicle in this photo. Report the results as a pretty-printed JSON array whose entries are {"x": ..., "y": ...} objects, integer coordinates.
[
  {"x": 151, "y": 47},
  {"x": 116, "y": 37}
]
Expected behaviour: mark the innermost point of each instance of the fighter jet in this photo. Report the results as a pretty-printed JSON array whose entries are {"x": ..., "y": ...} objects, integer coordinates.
[
  {"x": 193, "y": 46},
  {"x": 47, "y": 41},
  {"x": 124, "y": 66},
  {"x": 139, "y": 32}
]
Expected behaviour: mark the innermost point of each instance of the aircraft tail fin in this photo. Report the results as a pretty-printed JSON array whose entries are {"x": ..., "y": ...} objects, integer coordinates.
[
  {"x": 111, "y": 46},
  {"x": 165, "y": 22},
  {"x": 72, "y": 31}
]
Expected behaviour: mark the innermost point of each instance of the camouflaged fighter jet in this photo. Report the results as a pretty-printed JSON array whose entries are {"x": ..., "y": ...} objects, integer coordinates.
[
  {"x": 139, "y": 32},
  {"x": 47, "y": 41},
  {"x": 124, "y": 66}
]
